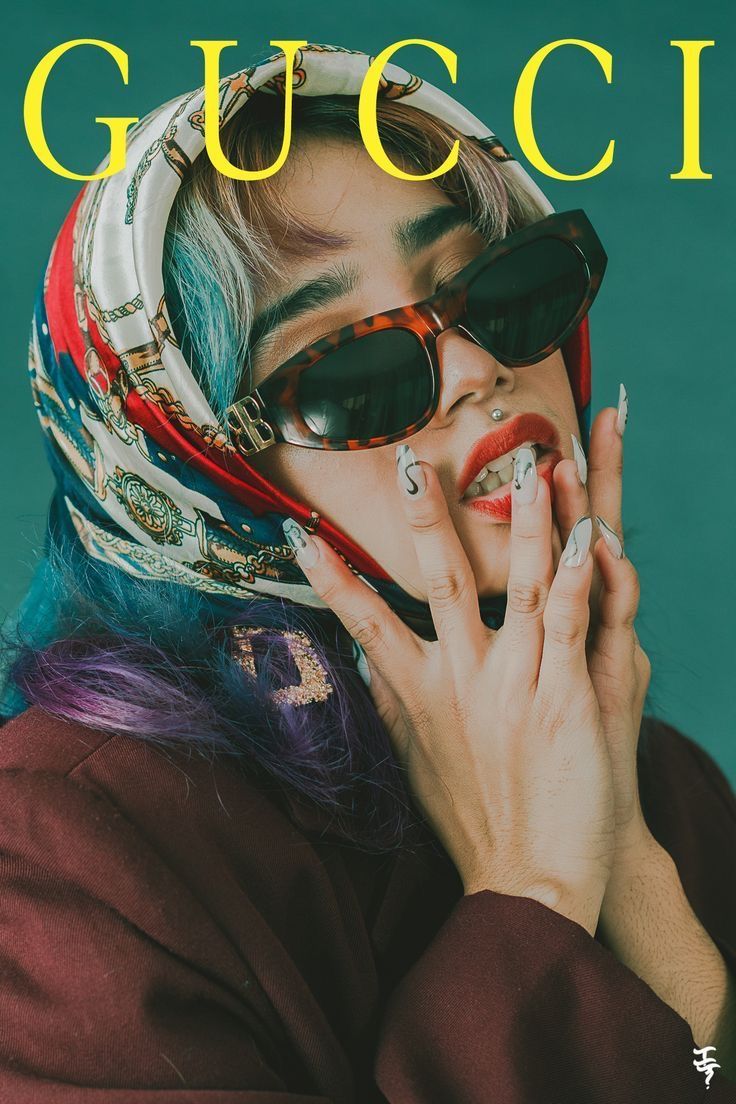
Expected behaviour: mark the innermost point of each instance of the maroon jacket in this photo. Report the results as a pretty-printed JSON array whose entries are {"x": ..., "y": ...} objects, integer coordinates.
[{"x": 169, "y": 935}]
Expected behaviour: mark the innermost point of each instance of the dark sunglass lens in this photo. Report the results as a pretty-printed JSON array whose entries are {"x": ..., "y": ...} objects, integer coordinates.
[
  {"x": 375, "y": 386},
  {"x": 523, "y": 302}
]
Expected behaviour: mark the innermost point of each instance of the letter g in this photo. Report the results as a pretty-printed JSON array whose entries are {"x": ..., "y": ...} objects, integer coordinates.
[{"x": 33, "y": 104}]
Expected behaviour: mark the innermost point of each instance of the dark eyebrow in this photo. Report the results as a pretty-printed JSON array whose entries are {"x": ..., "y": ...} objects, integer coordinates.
[
  {"x": 411, "y": 237},
  {"x": 323, "y": 289},
  {"x": 417, "y": 233}
]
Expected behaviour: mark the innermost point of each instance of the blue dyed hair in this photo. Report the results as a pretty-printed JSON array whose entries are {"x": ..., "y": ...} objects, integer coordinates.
[{"x": 152, "y": 660}]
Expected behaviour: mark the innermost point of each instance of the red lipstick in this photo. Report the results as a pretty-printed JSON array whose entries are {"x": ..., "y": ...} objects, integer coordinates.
[{"x": 525, "y": 427}]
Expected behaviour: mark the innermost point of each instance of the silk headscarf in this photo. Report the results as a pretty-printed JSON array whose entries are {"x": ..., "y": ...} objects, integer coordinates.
[{"x": 146, "y": 477}]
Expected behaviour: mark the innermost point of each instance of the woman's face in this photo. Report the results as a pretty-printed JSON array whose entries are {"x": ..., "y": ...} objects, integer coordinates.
[{"x": 337, "y": 187}]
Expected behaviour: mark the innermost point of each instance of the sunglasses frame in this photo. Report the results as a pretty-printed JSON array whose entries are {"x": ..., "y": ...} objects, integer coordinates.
[{"x": 269, "y": 413}]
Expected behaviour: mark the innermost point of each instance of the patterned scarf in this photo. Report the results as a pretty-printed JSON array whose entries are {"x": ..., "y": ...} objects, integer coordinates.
[{"x": 145, "y": 475}]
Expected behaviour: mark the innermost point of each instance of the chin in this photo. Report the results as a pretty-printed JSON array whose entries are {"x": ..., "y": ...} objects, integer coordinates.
[
  {"x": 490, "y": 561},
  {"x": 492, "y": 591},
  {"x": 492, "y": 581}
]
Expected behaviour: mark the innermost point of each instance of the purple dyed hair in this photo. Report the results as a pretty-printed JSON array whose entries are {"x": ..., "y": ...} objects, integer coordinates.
[{"x": 152, "y": 660}]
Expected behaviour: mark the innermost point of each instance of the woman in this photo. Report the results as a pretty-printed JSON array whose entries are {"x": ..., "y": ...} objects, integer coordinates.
[{"x": 325, "y": 779}]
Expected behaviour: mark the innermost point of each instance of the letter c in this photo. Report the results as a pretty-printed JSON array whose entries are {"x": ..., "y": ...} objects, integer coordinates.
[
  {"x": 523, "y": 108},
  {"x": 367, "y": 109}
]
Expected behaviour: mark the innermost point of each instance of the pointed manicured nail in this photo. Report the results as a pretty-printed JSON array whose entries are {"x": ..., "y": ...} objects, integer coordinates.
[
  {"x": 610, "y": 537},
  {"x": 525, "y": 476},
  {"x": 578, "y": 542},
  {"x": 582, "y": 463},
  {"x": 622, "y": 410},
  {"x": 411, "y": 478},
  {"x": 361, "y": 663},
  {"x": 305, "y": 549}
]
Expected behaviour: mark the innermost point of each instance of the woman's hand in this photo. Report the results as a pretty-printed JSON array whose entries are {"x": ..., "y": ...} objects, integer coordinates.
[
  {"x": 500, "y": 732},
  {"x": 619, "y": 668}
]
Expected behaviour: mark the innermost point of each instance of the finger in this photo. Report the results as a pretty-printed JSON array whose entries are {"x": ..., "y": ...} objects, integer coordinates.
[
  {"x": 385, "y": 639},
  {"x": 605, "y": 476},
  {"x": 530, "y": 568},
  {"x": 557, "y": 543},
  {"x": 571, "y": 496},
  {"x": 571, "y": 502},
  {"x": 566, "y": 613},
  {"x": 605, "y": 468},
  {"x": 448, "y": 578},
  {"x": 616, "y": 640},
  {"x": 619, "y": 600}
]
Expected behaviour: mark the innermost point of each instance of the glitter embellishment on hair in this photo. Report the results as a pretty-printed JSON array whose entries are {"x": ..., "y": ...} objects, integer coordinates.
[{"x": 315, "y": 686}]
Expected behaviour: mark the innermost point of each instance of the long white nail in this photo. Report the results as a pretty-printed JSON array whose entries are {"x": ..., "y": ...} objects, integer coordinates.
[
  {"x": 525, "y": 476},
  {"x": 610, "y": 537},
  {"x": 622, "y": 410},
  {"x": 580, "y": 460},
  {"x": 361, "y": 663},
  {"x": 409, "y": 472},
  {"x": 304, "y": 548},
  {"x": 578, "y": 542}
]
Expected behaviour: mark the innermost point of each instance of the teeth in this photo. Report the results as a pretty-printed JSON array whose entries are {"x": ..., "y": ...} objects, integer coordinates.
[
  {"x": 502, "y": 462},
  {"x": 489, "y": 483},
  {"x": 506, "y": 474},
  {"x": 490, "y": 478}
]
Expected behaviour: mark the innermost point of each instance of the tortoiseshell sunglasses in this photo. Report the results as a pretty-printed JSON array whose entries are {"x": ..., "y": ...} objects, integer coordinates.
[{"x": 378, "y": 380}]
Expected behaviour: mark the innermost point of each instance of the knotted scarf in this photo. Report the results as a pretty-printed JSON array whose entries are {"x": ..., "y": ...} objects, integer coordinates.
[{"x": 145, "y": 475}]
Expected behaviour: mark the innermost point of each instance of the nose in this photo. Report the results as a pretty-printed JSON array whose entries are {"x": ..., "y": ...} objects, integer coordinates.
[{"x": 468, "y": 373}]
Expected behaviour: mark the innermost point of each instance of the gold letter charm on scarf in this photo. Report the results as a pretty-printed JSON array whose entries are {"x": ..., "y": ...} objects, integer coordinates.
[{"x": 314, "y": 686}]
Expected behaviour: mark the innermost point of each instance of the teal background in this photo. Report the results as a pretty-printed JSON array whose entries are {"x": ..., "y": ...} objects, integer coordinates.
[{"x": 662, "y": 324}]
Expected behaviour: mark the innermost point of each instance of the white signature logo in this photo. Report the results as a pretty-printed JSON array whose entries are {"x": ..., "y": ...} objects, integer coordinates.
[{"x": 707, "y": 1063}]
